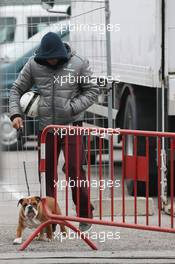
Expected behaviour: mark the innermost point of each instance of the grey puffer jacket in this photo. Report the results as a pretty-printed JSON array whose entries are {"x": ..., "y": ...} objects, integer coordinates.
[{"x": 59, "y": 103}]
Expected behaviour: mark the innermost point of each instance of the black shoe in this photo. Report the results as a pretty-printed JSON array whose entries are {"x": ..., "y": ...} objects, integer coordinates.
[{"x": 84, "y": 227}]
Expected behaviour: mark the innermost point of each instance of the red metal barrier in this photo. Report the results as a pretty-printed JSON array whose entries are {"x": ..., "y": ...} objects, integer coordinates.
[{"x": 135, "y": 167}]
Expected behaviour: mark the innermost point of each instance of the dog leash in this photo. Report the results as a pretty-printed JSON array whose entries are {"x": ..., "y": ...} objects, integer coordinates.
[{"x": 19, "y": 138}]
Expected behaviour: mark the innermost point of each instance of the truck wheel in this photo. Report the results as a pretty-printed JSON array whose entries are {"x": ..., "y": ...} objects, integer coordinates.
[{"x": 135, "y": 110}]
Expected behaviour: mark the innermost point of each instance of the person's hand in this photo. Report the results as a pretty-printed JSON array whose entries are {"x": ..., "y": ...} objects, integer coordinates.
[{"x": 17, "y": 122}]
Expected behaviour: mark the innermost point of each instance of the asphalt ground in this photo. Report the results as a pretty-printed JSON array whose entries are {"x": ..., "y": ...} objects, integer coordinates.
[{"x": 115, "y": 245}]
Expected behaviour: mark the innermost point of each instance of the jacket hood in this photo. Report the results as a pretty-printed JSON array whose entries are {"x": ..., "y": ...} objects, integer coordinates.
[{"x": 52, "y": 47}]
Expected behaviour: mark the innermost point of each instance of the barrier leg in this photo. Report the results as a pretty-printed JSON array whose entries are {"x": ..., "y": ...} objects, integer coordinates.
[
  {"x": 34, "y": 234},
  {"x": 66, "y": 223},
  {"x": 76, "y": 230}
]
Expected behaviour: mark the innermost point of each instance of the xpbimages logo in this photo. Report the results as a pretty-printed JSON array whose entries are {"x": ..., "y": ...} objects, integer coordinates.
[
  {"x": 100, "y": 28},
  {"x": 85, "y": 131},
  {"x": 98, "y": 184},
  {"x": 88, "y": 79},
  {"x": 100, "y": 236}
]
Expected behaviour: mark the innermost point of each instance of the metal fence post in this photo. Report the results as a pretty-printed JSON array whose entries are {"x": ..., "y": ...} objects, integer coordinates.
[
  {"x": 109, "y": 73},
  {"x": 108, "y": 54}
]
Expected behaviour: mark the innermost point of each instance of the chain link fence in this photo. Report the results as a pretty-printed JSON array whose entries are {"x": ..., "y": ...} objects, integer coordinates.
[{"x": 22, "y": 27}]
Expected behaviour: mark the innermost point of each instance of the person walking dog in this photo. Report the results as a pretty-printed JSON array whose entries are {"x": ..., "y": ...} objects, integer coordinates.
[{"x": 61, "y": 102}]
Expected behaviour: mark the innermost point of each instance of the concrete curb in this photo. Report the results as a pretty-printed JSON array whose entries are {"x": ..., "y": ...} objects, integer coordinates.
[
  {"x": 92, "y": 254},
  {"x": 129, "y": 206}
]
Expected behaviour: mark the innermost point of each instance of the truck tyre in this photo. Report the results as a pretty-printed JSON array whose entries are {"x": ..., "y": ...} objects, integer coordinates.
[{"x": 137, "y": 116}]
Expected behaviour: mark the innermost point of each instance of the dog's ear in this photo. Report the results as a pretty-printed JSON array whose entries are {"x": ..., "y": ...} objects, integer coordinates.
[
  {"x": 38, "y": 198},
  {"x": 20, "y": 201}
]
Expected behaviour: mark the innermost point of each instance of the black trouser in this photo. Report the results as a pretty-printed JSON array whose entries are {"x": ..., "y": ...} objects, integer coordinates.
[{"x": 72, "y": 169}]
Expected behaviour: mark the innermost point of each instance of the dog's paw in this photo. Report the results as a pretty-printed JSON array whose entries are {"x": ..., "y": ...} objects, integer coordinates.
[
  {"x": 17, "y": 241},
  {"x": 43, "y": 238},
  {"x": 40, "y": 238}
]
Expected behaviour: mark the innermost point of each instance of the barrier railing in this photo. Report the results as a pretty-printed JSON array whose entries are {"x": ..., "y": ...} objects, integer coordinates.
[{"x": 141, "y": 161}]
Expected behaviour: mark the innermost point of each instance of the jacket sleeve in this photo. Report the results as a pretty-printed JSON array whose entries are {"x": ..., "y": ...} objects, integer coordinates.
[
  {"x": 23, "y": 83},
  {"x": 89, "y": 90}
]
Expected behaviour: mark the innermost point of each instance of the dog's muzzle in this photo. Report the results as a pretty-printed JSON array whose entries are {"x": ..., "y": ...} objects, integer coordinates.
[{"x": 30, "y": 212}]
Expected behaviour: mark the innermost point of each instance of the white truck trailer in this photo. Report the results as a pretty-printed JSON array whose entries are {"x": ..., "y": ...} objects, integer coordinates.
[{"x": 142, "y": 63}]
